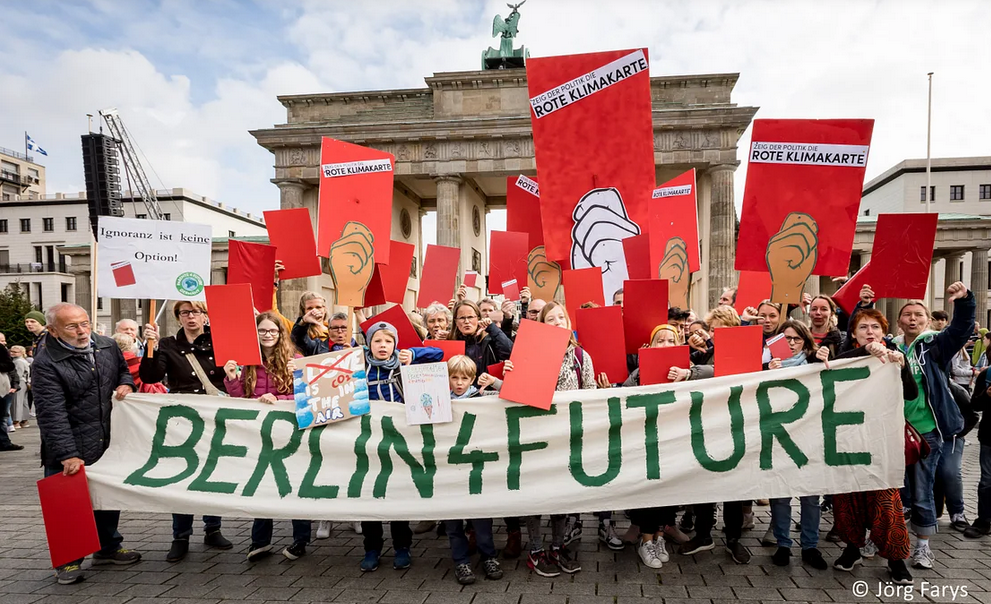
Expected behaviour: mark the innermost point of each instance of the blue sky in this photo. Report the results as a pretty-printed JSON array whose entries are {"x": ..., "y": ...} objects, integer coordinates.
[{"x": 191, "y": 78}]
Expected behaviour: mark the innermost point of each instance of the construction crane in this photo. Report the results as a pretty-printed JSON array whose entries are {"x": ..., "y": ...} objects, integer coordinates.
[{"x": 131, "y": 162}]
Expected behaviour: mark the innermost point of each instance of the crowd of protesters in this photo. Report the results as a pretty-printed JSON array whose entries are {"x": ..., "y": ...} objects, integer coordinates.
[{"x": 77, "y": 375}]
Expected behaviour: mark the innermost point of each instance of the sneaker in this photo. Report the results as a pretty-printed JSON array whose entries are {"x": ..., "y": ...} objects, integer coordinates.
[
  {"x": 769, "y": 539},
  {"x": 675, "y": 535},
  {"x": 424, "y": 526},
  {"x": 370, "y": 562},
  {"x": 748, "y": 521},
  {"x": 607, "y": 535},
  {"x": 25, "y": 424},
  {"x": 832, "y": 536},
  {"x": 463, "y": 574},
  {"x": 492, "y": 569},
  {"x": 958, "y": 522},
  {"x": 402, "y": 559},
  {"x": 13, "y": 447},
  {"x": 850, "y": 558},
  {"x": 216, "y": 540},
  {"x": 514, "y": 545},
  {"x": 323, "y": 529},
  {"x": 572, "y": 530},
  {"x": 979, "y": 529},
  {"x": 178, "y": 551},
  {"x": 540, "y": 563},
  {"x": 695, "y": 545},
  {"x": 257, "y": 551},
  {"x": 922, "y": 557},
  {"x": 565, "y": 560},
  {"x": 813, "y": 557},
  {"x": 69, "y": 574},
  {"x": 648, "y": 554},
  {"x": 899, "y": 572},
  {"x": 295, "y": 551},
  {"x": 781, "y": 556},
  {"x": 738, "y": 552},
  {"x": 662, "y": 550},
  {"x": 120, "y": 557},
  {"x": 869, "y": 550},
  {"x": 357, "y": 527}
]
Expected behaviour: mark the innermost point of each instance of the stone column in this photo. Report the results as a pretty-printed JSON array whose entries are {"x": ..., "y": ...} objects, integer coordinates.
[
  {"x": 951, "y": 274},
  {"x": 448, "y": 208},
  {"x": 722, "y": 226},
  {"x": 979, "y": 283},
  {"x": 291, "y": 196}
]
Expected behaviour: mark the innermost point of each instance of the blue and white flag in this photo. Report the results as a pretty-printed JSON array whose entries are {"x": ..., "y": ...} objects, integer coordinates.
[{"x": 33, "y": 146}]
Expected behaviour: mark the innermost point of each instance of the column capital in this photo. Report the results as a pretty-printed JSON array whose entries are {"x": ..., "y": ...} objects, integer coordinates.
[
  {"x": 455, "y": 178},
  {"x": 722, "y": 168},
  {"x": 290, "y": 183}
]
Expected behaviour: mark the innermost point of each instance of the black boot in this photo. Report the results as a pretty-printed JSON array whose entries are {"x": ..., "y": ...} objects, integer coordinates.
[
  {"x": 178, "y": 551},
  {"x": 216, "y": 540}
]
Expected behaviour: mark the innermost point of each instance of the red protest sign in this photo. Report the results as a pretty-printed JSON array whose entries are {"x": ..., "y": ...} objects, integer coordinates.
[
  {"x": 637, "y": 253},
  {"x": 232, "y": 325},
  {"x": 779, "y": 347},
  {"x": 471, "y": 278},
  {"x": 451, "y": 348},
  {"x": 581, "y": 286},
  {"x": 397, "y": 317},
  {"x": 754, "y": 287},
  {"x": 536, "y": 361},
  {"x": 656, "y": 363},
  {"x": 737, "y": 349},
  {"x": 440, "y": 271},
  {"x": 254, "y": 264},
  {"x": 511, "y": 289},
  {"x": 507, "y": 259},
  {"x": 800, "y": 202},
  {"x": 902, "y": 254},
  {"x": 67, "y": 512},
  {"x": 291, "y": 232},
  {"x": 602, "y": 338},
  {"x": 355, "y": 186},
  {"x": 848, "y": 295},
  {"x": 647, "y": 303},
  {"x": 674, "y": 216},
  {"x": 496, "y": 370},
  {"x": 523, "y": 208},
  {"x": 389, "y": 281},
  {"x": 594, "y": 141}
]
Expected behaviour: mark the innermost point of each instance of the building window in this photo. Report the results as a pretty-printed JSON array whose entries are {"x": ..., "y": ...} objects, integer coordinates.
[
  {"x": 932, "y": 193},
  {"x": 141, "y": 216},
  {"x": 70, "y": 223},
  {"x": 956, "y": 192},
  {"x": 3, "y": 225},
  {"x": 985, "y": 192},
  {"x": 48, "y": 224},
  {"x": 39, "y": 254},
  {"x": 4, "y": 260},
  {"x": 25, "y": 225},
  {"x": 65, "y": 292},
  {"x": 6, "y": 197},
  {"x": 167, "y": 216},
  {"x": 231, "y": 234}
]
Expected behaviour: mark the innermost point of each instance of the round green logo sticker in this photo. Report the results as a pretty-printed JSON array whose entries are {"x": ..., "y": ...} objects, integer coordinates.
[{"x": 189, "y": 284}]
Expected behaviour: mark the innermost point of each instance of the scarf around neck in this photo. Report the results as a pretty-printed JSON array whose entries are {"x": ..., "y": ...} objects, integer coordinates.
[
  {"x": 798, "y": 359},
  {"x": 389, "y": 364}
]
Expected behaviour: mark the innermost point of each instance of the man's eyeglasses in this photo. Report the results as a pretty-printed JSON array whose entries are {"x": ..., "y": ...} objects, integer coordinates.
[
  {"x": 340, "y": 328},
  {"x": 190, "y": 313},
  {"x": 77, "y": 326}
]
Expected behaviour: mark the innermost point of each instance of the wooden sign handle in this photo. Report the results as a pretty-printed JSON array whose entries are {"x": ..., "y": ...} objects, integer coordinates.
[{"x": 152, "y": 312}]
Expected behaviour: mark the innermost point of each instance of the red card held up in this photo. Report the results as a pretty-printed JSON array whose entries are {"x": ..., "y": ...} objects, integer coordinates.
[
  {"x": 637, "y": 252},
  {"x": 507, "y": 259},
  {"x": 389, "y": 281},
  {"x": 523, "y": 208},
  {"x": 408, "y": 338},
  {"x": 779, "y": 347},
  {"x": 656, "y": 363},
  {"x": 902, "y": 254},
  {"x": 511, "y": 290},
  {"x": 233, "y": 330},
  {"x": 291, "y": 232},
  {"x": 254, "y": 264},
  {"x": 536, "y": 361},
  {"x": 497, "y": 370},
  {"x": 451, "y": 348},
  {"x": 737, "y": 349},
  {"x": 848, "y": 295},
  {"x": 674, "y": 214},
  {"x": 602, "y": 338},
  {"x": 440, "y": 271},
  {"x": 68, "y": 514},
  {"x": 471, "y": 278},
  {"x": 581, "y": 286},
  {"x": 754, "y": 288},
  {"x": 646, "y": 303}
]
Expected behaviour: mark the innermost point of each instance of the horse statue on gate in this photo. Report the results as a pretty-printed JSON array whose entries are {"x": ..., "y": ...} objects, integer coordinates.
[{"x": 506, "y": 56}]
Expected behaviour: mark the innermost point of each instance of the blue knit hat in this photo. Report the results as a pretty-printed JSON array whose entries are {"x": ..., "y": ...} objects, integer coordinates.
[{"x": 380, "y": 325}]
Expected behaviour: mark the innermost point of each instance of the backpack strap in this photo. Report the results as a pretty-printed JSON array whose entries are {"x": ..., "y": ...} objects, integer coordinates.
[{"x": 579, "y": 363}]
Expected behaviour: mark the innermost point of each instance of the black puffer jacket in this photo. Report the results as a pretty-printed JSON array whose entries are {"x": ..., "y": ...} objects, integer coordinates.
[
  {"x": 170, "y": 360},
  {"x": 494, "y": 348},
  {"x": 72, "y": 397}
]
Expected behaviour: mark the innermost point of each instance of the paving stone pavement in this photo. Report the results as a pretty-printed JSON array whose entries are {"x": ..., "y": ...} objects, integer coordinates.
[{"x": 329, "y": 572}]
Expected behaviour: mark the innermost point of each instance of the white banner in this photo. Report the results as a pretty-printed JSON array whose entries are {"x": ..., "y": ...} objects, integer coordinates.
[
  {"x": 790, "y": 432},
  {"x": 590, "y": 83},
  {"x": 671, "y": 191},
  {"x": 356, "y": 167},
  {"x": 529, "y": 185},
  {"x": 809, "y": 154},
  {"x": 153, "y": 259}
]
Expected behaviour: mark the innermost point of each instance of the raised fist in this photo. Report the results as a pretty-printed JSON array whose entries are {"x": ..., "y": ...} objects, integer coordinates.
[
  {"x": 674, "y": 268},
  {"x": 543, "y": 276},
  {"x": 352, "y": 263},
  {"x": 601, "y": 225},
  {"x": 791, "y": 256}
]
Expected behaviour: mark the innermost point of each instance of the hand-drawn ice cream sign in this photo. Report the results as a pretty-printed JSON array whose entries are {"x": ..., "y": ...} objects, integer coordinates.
[
  {"x": 330, "y": 388},
  {"x": 427, "y": 391}
]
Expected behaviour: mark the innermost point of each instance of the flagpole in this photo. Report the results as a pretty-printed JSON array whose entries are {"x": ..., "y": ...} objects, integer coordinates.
[
  {"x": 928, "y": 195},
  {"x": 26, "y": 145}
]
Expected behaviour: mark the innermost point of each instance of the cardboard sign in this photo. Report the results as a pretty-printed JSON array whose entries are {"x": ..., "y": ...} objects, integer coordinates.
[
  {"x": 656, "y": 363},
  {"x": 355, "y": 186},
  {"x": 582, "y": 286},
  {"x": 389, "y": 281},
  {"x": 291, "y": 232},
  {"x": 511, "y": 290},
  {"x": 497, "y": 370},
  {"x": 637, "y": 253},
  {"x": 254, "y": 264},
  {"x": 813, "y": 169},
  {"x": 440, "y": 271},
  {"x": 543, "y": 276},
  {"x": 330, "y": 388},
  {"x": 451, "y": 348},
  {"x": 397, "y": 317},
  {"x": 674, "y": 216},
  {"x": 471, "y": 279},
  {"x": 507, "y": 259},
  {"x": 646, "y": 303},
  {"x": 67, "y": 512},
  {"x": 232, "y": 325},
  {"x": 737, "y": 349},
  {"x": 848, "y": 296},
  {"x": 523, "y": 208},
  {"x": 427, "y": 393},
  {"x": 754, "y": 288},
  {"x": 602, "y": 338},
  {"x": 536, "y": 361},
  {"x": 779, "y": 348},
  {"x": 153, "y": 259},
  {"x": 594, "y": 141},
  {"x": 902, "y": 254},
  {"x": 352, "y": 262}
]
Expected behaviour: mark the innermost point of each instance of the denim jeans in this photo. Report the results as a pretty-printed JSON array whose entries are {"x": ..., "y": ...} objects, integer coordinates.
[
  {"x": 459, "y": 541},
  {"x": 182, "y": 525},
  {"x": 4, "y": 412},
  {"x": 919, "y": 479},
  {"x": 535, "y": 533},
  {"x": 261, "y": 531},
  {"x": 106, "y": 523},
  {"x": 402, "y": 535},
  {"x": 984, "y": 486},
  {"x": 948, "y": 474},
  {"x": 781, "y": 521}
]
